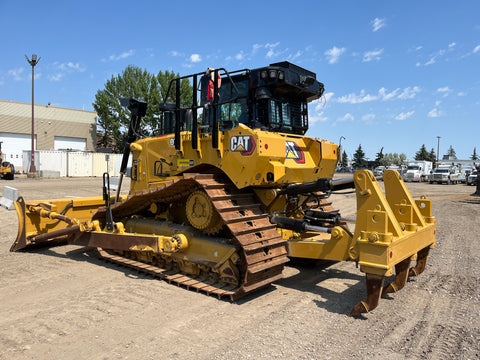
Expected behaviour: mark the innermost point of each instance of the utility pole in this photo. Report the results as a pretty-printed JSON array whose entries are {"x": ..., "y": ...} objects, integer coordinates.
[
  {"x": 33, "y": 62},
  {"x": 438, "y": 147}
]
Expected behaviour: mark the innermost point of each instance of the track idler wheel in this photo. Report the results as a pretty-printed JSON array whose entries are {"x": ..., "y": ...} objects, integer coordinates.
[
  {"x": 422, "y": 256},
  {"x": 374, "y": 291},
  {"x": 201, "y": 214}
]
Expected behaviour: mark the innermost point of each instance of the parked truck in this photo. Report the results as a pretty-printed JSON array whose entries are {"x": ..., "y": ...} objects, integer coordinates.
[
  {"x": 418, "y": 171},
  {"x": 447, "y": 174}
]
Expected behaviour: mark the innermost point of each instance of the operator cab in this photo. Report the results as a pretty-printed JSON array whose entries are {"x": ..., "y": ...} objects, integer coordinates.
[{"x": 272, "y": 98}]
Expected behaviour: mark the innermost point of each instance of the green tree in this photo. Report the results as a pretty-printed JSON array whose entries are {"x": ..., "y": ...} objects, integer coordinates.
[
  {"x": 344, "y": 160},
  {"x": 394, "y": 159},
  {"x": 164, "y": 79},
  {"x": 474, "y": 155},
  {"x": 422, "y": 154},
  {"x": 432, "y": 157},
  {"x": 379, "y": 157},
  {"x": 136, "y": 83},
  {"x": 359, "y": 161},
  {"x": 451, "y": 153}
]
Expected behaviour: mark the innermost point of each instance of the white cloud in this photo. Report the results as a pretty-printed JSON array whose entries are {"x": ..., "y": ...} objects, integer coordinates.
[
  {"x": 56, "y": 77},
  {"x": 477, "y": 49},
  {"x": 62, "y": 69},
  {"x": 444, "y": 90},
  {"x": 462, "y": 93},
  {"x": 175, "y": 53},
  {"x": 372, "y": 55},
  {"x": 271, "y": 49},
  {"x": 377, "y": 24},
  {"x": 435, "y": 56},
  {"x": 383, "y": 95},
  {"x": 123, "y": 55},
  {"x": 346, "y": 117},
  {"x": 195, "y": 58},
  {"x": 71, "y": 67},
  {"x": 434, "y": 113},
  {"x": 357, "y": 99},
  {"x": 294, "y": 56},
  {"x": 368, "y": 118},
  {"x": 334, "y": 53},
  {"x": 451, "y": 45},
  {"x": 115, "y": 57},
  {"x": 327, "y": 96},
  {"x": 409, "y": 93},
  {"x": 317, "y": 117},
  {"x": 240, "y": 56},
  {"x": 17, "y": 74},
  {"x": 404, "y": 116}
]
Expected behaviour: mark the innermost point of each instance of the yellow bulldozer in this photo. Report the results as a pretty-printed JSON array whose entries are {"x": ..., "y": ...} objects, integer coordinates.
[
  {"x": 230, "y": 189},
  {"x": 7, "y": 170}
]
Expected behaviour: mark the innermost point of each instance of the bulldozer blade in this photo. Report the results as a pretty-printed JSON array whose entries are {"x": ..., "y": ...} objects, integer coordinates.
[
  {"x": 51, "y": 222},
  {"x": 374, "y": 291},
  {"x": 401, "y": 276},
  {"x": 21, "y": 241},
  {"x": 422, "y": 256}
]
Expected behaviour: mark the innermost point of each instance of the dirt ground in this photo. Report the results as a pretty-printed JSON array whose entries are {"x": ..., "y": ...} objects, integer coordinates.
[{"x": 62, "y": 303}]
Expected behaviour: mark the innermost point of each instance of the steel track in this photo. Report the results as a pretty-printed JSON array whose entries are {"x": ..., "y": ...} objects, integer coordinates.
[{"x": 262, "y": 250}]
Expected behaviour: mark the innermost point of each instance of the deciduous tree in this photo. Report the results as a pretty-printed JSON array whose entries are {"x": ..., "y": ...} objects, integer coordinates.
[{"x": 136, "y": 83}]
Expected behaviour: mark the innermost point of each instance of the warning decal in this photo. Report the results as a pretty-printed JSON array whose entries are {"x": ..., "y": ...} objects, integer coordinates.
[{"x": 294, "y": 152}]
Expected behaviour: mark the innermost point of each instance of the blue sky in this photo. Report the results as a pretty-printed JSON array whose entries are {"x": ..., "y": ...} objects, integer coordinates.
[{"x": 397, "y": 74}]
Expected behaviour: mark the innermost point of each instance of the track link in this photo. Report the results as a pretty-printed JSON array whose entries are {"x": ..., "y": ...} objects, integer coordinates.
[{"x": 262, "y": 250}]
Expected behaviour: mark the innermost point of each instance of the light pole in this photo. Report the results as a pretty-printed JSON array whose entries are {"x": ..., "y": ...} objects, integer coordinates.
[
  {"x": 33, "y": 62},
  {"x": 438, "y": 147},
  {"x": 340, "y": 147}
]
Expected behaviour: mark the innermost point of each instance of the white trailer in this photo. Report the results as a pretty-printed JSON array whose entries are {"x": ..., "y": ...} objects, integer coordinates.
[{"x": 418, "y": 171}]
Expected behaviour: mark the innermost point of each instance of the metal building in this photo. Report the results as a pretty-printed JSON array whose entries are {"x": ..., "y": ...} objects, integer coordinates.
[{"x": 55, "y": 128}]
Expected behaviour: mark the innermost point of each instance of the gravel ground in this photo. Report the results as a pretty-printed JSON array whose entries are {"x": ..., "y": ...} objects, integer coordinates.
[{"x": 63, "y": 303}]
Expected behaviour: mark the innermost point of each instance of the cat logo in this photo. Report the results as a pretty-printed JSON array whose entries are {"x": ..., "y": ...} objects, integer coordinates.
[
  {"x": 294, "y": 152},
  {"x": 243, "y": 144}
]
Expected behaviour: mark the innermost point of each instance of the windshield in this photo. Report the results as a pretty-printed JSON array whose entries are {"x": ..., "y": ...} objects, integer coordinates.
[
  {"x": 237, "y": 111},
  {"x": 474, "y": 172},
  {"x": 285, "y": 115},
  {"x": 442, "y": 171},
  {"x": 413, "y": 167}
]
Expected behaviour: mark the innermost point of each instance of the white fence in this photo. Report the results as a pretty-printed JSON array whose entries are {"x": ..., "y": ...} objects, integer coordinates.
[{"x": 74, "y": 163}]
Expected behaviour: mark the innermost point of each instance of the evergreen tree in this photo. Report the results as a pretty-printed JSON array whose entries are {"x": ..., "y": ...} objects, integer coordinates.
[
  {"x": 379, "y": 157},
  {"x": 451, "y": 153},
  {"x": 422, "y": 154},
  {"x": 432, "y": 157},
  {"x": 344, "y": 160},
  {"x": 474, "y": 155},
  {"x": 359, "y": 161}
]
